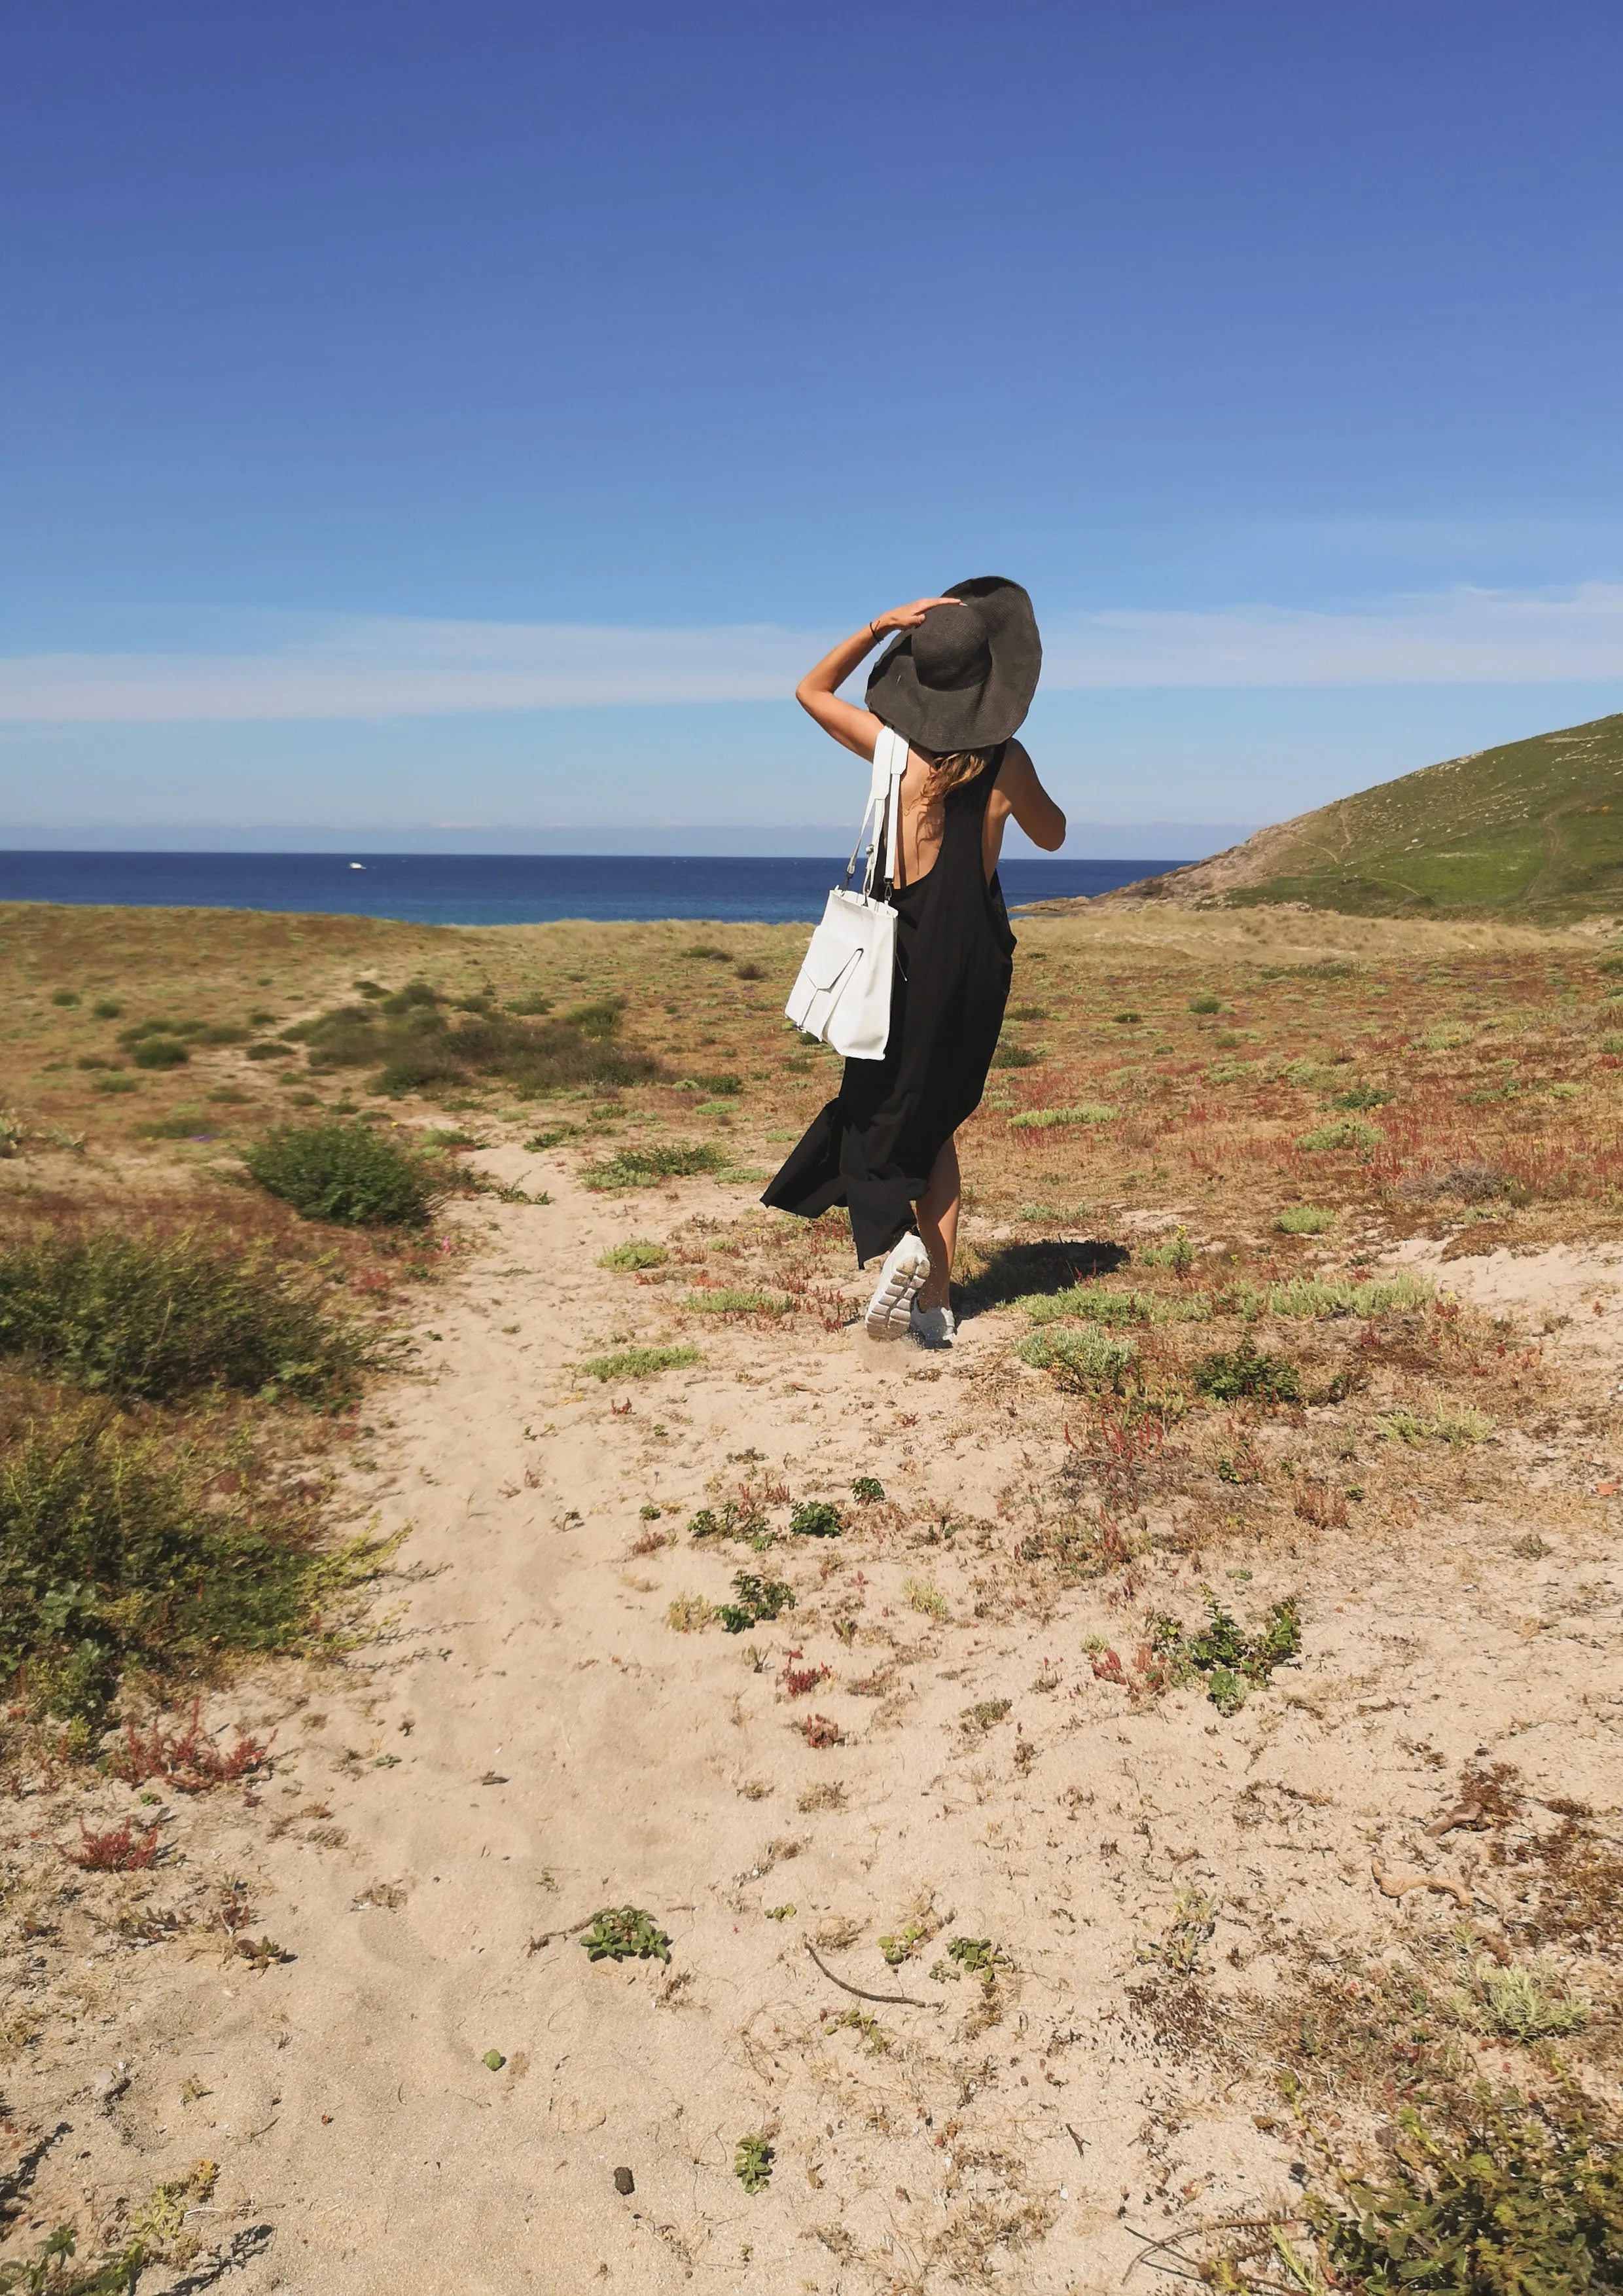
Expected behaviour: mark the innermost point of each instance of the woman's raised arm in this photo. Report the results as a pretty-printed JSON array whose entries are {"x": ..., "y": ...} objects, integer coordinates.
[
  {"x": 857, "y": 728},
  {"x": 1020, "y": 793}
]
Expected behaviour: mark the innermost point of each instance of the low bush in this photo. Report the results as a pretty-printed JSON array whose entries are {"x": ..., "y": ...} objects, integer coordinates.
[
  {"x": 413, "y": 1044},
  {"x": 111, "y": 1555},
  {"x": 1206, "y": 1004},
  {"x": 1044, "y": 1119},
  {"x": 625, "y": 1933},
  {"x": 643, "y": 1167},
  {"x": 639, "y": 1363},
  {"x": 1305, "y": 1220},
  {"x": 817, "y": 1519},
  {"x": 347, "y": 1173},
  {"x": 756, "y": 1601},
  {"x": 1092, "y": 1300},
  {"x": 1349, "y": 1132},
  {"x": 1506, "y": 2194},
  {"x": 1017, "y": 1056},
  {"x": 1379, "y": 1296},
  {"x": 737, "y": 1303},
  {"x": 1090, "y": 1354},
  {"x": 267, "y": 1052},
  {"x": 1229, "y": 1659},
  {"x": 158, "y": 1053},
  {"x": 151, "y": 1316},
  {"x": 634, "y": 1253},
  {"x": 1227, "y": 1376}
]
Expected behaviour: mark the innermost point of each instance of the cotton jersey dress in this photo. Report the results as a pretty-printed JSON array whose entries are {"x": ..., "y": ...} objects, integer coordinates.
[{"x": 873, "y": 1147}]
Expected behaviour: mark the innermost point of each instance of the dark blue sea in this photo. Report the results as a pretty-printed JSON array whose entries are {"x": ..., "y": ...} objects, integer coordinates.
[{"x": 500, "y": 889}]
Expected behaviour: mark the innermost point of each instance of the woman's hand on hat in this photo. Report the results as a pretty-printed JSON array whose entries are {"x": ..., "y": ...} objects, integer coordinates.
[{"x": 906, "y": 618}]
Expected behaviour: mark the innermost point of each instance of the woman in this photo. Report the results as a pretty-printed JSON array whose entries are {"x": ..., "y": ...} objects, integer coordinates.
[{"x": 955, "y": 684}]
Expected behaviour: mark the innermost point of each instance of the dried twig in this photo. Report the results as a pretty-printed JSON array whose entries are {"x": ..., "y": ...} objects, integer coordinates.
[
  {"x": 891, "y": 2000},
  {"x": 1399, "y": 1885},
  {"x": 1469, "y": 1813},
  {"x": 566, "y": 1929}
]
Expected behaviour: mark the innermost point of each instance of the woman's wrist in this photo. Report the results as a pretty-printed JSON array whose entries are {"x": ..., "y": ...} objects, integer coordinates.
[{"x": 875, "y": 631}]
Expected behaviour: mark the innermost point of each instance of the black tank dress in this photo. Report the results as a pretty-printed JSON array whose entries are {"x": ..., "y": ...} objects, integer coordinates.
[{"x": 871, "y": 1149}]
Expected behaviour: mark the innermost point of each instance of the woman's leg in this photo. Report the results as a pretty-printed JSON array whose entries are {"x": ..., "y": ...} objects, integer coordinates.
[{"x": 937, "y": 1217}]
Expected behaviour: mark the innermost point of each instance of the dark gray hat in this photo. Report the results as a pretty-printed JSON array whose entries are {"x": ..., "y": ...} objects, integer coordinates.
[{"x": 964, "y": 678}]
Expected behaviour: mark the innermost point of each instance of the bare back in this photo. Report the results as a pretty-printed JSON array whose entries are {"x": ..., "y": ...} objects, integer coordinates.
[{"x": 924, "y": 807}]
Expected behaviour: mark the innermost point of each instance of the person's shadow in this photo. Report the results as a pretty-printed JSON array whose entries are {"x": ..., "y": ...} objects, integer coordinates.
[{"x": 1018, "y": 1270}]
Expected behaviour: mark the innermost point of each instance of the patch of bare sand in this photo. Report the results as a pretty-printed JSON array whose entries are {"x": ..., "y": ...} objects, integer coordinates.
[{"x": 528, "y": 1740}]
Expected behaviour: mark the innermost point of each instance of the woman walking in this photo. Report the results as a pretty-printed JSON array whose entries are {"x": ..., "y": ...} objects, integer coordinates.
[{"x": 956, "y": 683}]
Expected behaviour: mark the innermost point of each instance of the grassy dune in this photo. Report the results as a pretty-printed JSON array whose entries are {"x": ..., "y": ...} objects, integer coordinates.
[{"x": 1532, "y": 828}]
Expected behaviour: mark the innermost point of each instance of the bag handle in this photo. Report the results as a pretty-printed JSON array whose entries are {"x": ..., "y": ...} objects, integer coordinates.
[{"x": 881, "y": 816}]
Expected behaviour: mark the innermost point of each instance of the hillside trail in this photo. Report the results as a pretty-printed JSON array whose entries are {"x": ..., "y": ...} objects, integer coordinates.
[{"x": 527, "y": 1740}]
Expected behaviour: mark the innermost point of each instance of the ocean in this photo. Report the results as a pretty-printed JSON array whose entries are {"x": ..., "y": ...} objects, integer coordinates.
[{"x": 501, "y": 889}]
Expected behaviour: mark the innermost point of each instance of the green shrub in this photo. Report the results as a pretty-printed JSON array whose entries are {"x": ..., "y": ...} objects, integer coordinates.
[
  {"x": 817, "y": 1519},
  {"x": 151, "y": 1316},
  {"x": 635, "y": 1252},
  {"x": 1305, "y": 1220},
  {"x": 267, "y": 1052},
  {"x": 1226, "y": 1376},
  {"x": 347, "y": 1173},
  {"x": 1362, "y": 1096},
  {"x": 625, "y": 1933},
  {"x": 726, "y": 1088},
  {"x": 1044, "y": 1119},
  {"x": 639, "y": 1363},
  {"x": 868, "y": 1488},
  {"x": 1508, "y": 2196},
  {"x": 1092, "y": 1302},
  {"x": 112, "y": 1554},
  {"x": 120, "y": 1083},
  {"x": 529, "y": 1008},
  {"x": 108, "y": 1008},
  {"x": 158, "y": 1053},
  {"x": 1231, "y": 1658},
  {"x": 1176, "y": 1254},
  {"x": 65, "y": 996},
  {"x": 1206, "y": 1004},
  {"x": 737, "y": 1303},
  {"x": 758, "y": 1601},
  {"x": 753, "y": 2160},
  {"x": 1017, "y": 1056},
  {"x": 222, "y": 1032},
  {"x": 1347, "y": 1134},
  {"x": 1090, "y": 1354},
  {"x": 1306, "y": 1297},
  {"x": 416, "y": 1045},
  {"x": 643, "y": 1167}
]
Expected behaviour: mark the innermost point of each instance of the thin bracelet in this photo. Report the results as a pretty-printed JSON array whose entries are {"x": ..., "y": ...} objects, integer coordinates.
[{"x": 873, "y": 634}]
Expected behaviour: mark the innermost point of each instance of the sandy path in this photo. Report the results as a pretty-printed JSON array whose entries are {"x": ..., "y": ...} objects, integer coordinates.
[{"x": 530, "y": 1741}]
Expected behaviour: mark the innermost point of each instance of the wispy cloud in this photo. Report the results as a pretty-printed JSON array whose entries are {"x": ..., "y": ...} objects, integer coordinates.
[
  {"x": 1464, "y": 637},
  {"x": 381, "y": 667}
]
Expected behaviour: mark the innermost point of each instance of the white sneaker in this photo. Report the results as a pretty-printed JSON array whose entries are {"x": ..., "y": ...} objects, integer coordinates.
[
  {"x": 906, "y": 1265},
  {"x": 932, "y": 1327}
]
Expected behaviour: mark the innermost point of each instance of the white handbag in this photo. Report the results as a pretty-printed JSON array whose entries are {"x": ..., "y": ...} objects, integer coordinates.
[{"x": 842, "y": 993}]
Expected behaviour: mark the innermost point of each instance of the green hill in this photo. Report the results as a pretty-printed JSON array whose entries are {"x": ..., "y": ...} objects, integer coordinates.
[{"x": 1535, "y": 828}]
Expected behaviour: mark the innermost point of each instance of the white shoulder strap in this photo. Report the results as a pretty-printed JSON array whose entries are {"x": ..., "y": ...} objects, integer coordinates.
[{"x": 882, "y": 812}]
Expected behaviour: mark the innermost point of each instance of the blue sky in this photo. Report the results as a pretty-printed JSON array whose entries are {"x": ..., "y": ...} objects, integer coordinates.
[{"x": 478, "y": 415}]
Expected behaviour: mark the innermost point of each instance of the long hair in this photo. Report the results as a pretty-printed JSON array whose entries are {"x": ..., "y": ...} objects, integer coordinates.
[{"x": 955, "y": 767}]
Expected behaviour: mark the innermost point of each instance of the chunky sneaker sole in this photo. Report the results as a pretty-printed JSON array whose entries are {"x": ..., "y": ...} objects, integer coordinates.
[
  {"x": 933, "y": 1327},
  {"x": 900, "y": 1279}
]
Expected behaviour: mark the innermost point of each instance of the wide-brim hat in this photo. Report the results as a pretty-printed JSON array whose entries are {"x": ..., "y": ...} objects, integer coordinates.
[{"x": 964, "y": 678}]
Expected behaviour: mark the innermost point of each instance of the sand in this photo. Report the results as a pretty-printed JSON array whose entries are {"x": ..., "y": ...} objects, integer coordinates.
[{"x": 526, "y": 1740}]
